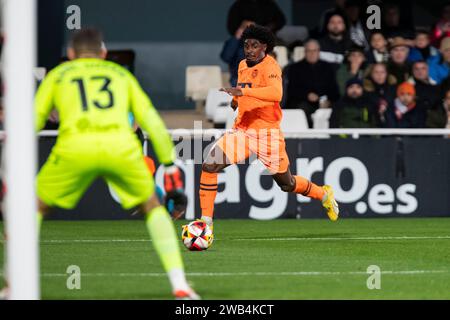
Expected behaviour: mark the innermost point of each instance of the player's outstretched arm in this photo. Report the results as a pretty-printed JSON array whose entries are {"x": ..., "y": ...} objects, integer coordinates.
[
  {"x": 44, "y": 101},
  {"x": 149, "y": 120}
]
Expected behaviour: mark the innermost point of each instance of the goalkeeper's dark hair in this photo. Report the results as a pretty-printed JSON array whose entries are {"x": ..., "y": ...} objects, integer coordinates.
[
  {"x": 262, "y": 34},
  {"x": 87, "y": 40}
]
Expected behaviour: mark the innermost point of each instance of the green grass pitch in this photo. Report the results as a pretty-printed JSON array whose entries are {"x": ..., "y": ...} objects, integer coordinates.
[{"x": 281, "y": 259}]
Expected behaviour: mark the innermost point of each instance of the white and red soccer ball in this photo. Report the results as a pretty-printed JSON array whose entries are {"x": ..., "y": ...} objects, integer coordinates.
[{"x": 197, "y": 236}]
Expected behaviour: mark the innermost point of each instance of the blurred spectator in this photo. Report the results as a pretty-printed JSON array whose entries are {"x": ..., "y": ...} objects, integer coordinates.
[
  {"x": 398, "y": 64},
  {"x": 422, "y": 49},
  {"x": 439, "y": 65},
  {"x": 441, "y": 29},
  {"x": 320, "y": 30},
  {"x": 439, "y": 115},
  {"x": 357, "y": 30},
  {"x": 233, "y": 51},
  {"x": 427, "y": 91},
  {"x": 335, "y": 42},
  {"x": 311, "y": 83},
  {"x": 353, "y": 67},
  {"x": 263, "y": 12},
  {"x": 392, "y": 25},
  {"x": 405, "y": 112},
  {"x": 354, "y": 109},
  {"x": 380, "y": 88},
  {"x": 378, "y": 51},
  {"x": 2, "y": 116}
]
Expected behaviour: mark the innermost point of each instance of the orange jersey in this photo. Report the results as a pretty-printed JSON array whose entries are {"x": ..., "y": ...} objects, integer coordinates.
[{"x": 262, "y": 88}]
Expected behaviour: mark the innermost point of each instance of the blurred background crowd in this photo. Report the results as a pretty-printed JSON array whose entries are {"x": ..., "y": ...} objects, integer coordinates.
[{"x": 396, "y": 76}]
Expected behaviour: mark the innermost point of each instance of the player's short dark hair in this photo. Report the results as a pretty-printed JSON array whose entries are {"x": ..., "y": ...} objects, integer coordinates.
[
  {"x": 87, "y": 39},
  {"x": 262, "y": 34}
]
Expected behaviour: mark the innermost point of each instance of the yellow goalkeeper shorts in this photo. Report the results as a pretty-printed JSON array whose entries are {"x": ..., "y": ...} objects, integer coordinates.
[{"x": 76, "y": 161}]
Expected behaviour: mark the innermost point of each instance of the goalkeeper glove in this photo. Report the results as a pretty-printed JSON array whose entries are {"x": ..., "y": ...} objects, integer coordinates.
[
  {"x": 175, "y": 200},
  {"x": 172, "y": 178}
]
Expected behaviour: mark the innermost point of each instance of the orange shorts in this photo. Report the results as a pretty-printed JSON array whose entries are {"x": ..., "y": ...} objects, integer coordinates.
[{"x": 268, "y": 146}]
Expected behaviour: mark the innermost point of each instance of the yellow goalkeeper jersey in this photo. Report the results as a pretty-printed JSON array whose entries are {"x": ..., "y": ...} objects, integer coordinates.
[{"x": 94, "y": 96}]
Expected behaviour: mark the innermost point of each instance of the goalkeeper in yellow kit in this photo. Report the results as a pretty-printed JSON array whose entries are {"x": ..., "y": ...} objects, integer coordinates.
[{"x": 93, "y": 98}]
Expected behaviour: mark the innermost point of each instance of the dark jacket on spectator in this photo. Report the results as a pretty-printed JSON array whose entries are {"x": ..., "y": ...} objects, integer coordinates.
[
  {"x": 379, "y": 95},
  {"x": 437, "y": 117},
  {"x": 333, "y": 51},
  {"x": 233, "y": 53},
  {"x": 303, "y": 78},
  {"x": 427, "y": 94},
  {"x": 352, "y": 113},
  {"x": 414, "y": 118},
  {"x": 400, "y": 72},
  {"x": 263, "y": 12}
]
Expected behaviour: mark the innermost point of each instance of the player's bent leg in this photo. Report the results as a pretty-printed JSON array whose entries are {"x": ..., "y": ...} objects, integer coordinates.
[
  {"x": 208, "y": 183},
  {"x": 161, "y": 229},
  {"x": 300, "y": 185}
]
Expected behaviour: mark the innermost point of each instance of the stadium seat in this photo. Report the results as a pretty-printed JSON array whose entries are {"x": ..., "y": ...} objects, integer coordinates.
[
  {"x": 290, "y": 34},
  {"x": 298, "y": 54},
  {"x": 321, "y": 120},
  {"x": 216, "y": 100},
  {"x": 199, "y": 79},
  {"x": 294, "y": 121},
  {"x": 282, "y": 55},
  {"x": 39, "y": 73},
  {"x": 222, "y": 117},
  {"x": 231, "y": 117}
]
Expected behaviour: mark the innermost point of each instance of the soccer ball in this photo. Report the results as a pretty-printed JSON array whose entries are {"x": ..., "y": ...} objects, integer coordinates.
[{"x": 197, "y": 236}]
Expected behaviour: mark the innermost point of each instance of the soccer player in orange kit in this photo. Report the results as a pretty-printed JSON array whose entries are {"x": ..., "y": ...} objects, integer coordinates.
[{"x": 257, "y": 128}]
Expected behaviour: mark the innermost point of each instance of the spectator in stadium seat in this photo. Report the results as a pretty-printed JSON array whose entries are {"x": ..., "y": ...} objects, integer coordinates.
[
  {"x": 233, "y": 51},
  {"x": 441, "y": 29},
  {"x": 379, "y": 86},
  {"x": 398, "y": 64},
  {"x": 358, "y": 32},
  {"x": 378, "y": 51},
  {"x": 440, "y": 65},
  {"x": 392, "y": 24},
  {"x": 405, "y": 113},
  {"x": 263, "y": 12},
  {"x": 427, "y": 91},
  {"x": 309, "y": 81},
  {"x": 321, "y": 28},
  {"x": 422, "y": 49},
  {"x": 353, "y": 66},
  {"x": 439, "y": 115},
  {"x": 336, "y": 41},
  {"x": 354, "y": 110}
]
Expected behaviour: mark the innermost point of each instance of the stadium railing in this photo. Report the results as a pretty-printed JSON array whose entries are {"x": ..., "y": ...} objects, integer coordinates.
[
  {"x": 309, "y": 133},
  {"x": 354, "y": 133}
]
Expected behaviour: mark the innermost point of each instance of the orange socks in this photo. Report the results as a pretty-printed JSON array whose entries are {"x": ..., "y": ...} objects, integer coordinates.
[
  {"x": 208, "y": 192},
  {"x": 308, "y": 189}
]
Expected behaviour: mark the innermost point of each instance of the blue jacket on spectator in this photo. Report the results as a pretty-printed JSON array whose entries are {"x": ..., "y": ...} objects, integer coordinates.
[
  {"x": 233, "y": 53},
  {"x": 439, "y": 69},
  {"x": 416, "y": 55}
]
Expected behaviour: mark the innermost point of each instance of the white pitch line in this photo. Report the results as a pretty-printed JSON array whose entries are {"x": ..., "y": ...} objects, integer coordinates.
[
  {"x": 387, "y": 238},
  {"x": 347, "y": 238},
  {"x": 245, "y": 274}
]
